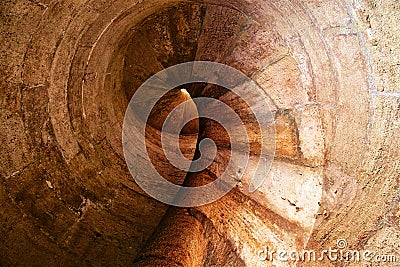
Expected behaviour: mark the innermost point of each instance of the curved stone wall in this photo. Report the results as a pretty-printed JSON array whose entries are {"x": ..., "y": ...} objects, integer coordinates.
[{"x": 330, "y": 70}]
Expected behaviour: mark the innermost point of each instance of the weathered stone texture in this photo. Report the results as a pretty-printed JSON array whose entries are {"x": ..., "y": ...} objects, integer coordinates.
[{"x": 330, "y": 74}]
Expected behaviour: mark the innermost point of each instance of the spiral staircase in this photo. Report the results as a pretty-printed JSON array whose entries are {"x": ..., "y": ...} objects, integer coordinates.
[{"x": 66, "y": 192}]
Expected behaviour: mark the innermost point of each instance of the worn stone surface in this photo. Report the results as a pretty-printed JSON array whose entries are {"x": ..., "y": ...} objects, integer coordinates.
[
  {"x": 330, "y": 72},
  {"x": 379, "y": 20}
]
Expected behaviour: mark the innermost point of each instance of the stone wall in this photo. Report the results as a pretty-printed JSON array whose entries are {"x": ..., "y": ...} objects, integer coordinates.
[{"x": 330, "y": 70}]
